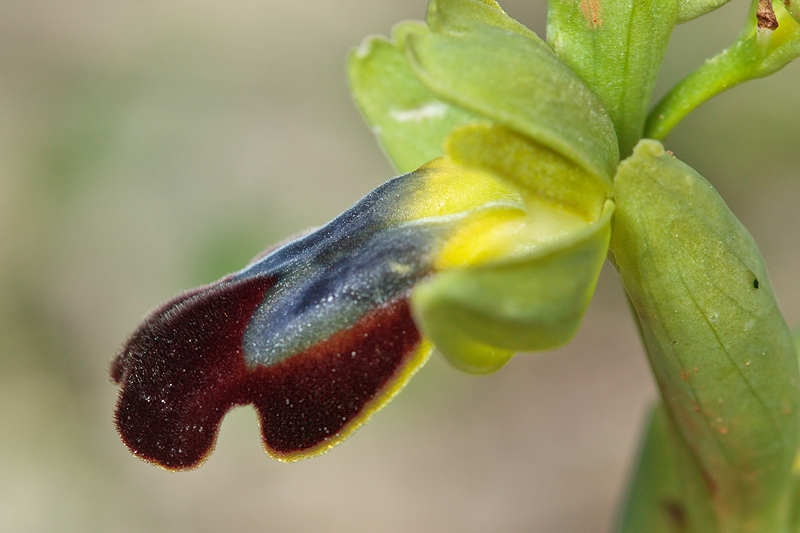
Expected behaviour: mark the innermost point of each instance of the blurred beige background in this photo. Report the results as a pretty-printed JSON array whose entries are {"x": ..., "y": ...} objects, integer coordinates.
[{"x": 146, "y": 147}]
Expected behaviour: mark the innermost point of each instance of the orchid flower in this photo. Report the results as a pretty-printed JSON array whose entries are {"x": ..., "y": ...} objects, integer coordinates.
[
  {"x": 492, "y": 247},
  {"x": 524, "y": 164}
]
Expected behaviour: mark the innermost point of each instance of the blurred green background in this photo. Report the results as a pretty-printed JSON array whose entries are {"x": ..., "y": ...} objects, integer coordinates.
[{"x": 147, "y": 147}]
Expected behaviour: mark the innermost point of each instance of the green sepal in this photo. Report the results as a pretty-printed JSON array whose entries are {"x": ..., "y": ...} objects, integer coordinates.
[
  {"x": 667, "y": 491},
  {"x": 479, "y": 316},
  {"x": 408, "y": 120},
  {"x": 691, "y": 9},
  {"x": 617, "y": 49},
  {"x": 455, "y": 16},
  {"x": 718, "y": 345},
  {"x": 518, "y": 82}
]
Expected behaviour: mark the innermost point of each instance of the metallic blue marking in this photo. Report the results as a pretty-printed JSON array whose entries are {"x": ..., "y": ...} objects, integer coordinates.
[{"x": 327, "y": 280}]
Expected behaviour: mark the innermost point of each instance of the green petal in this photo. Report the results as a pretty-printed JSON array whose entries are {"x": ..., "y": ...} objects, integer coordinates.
[
  {"x": 409, "y": 121},
  {"x": 617, "y": 49},
  {"x": 479, "y": 316},
  {"x": 519, "y": 82},
  {"x": 532, "y": 168},
  {"x": 721, "y": 352}
]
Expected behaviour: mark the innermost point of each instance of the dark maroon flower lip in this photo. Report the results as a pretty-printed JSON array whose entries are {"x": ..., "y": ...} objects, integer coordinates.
[
  {"x": 316, "y": 335},
  {"x": 184, "y": 369}
]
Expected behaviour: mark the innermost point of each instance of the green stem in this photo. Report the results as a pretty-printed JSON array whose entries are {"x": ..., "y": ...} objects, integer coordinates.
[
  {"x": 722, "y": 72},
  {"x": 755, "y": 54}
]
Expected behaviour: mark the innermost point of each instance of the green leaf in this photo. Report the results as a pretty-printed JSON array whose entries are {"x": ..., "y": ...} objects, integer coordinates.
[
  {"x": 409, "y": 121},
  {"x": 667, "y": 492},
  {"x": 721, "y": 352},
  {"x": 518, "y": 82},
  {"x": 617, "y": 49},
  {"x": 757, "y": 53}
]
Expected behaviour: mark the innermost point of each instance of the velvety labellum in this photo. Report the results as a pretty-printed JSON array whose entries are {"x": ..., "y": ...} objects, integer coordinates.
[
  {"x": 184, "y": 369},
  {"x": 316, "y": 334}
]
